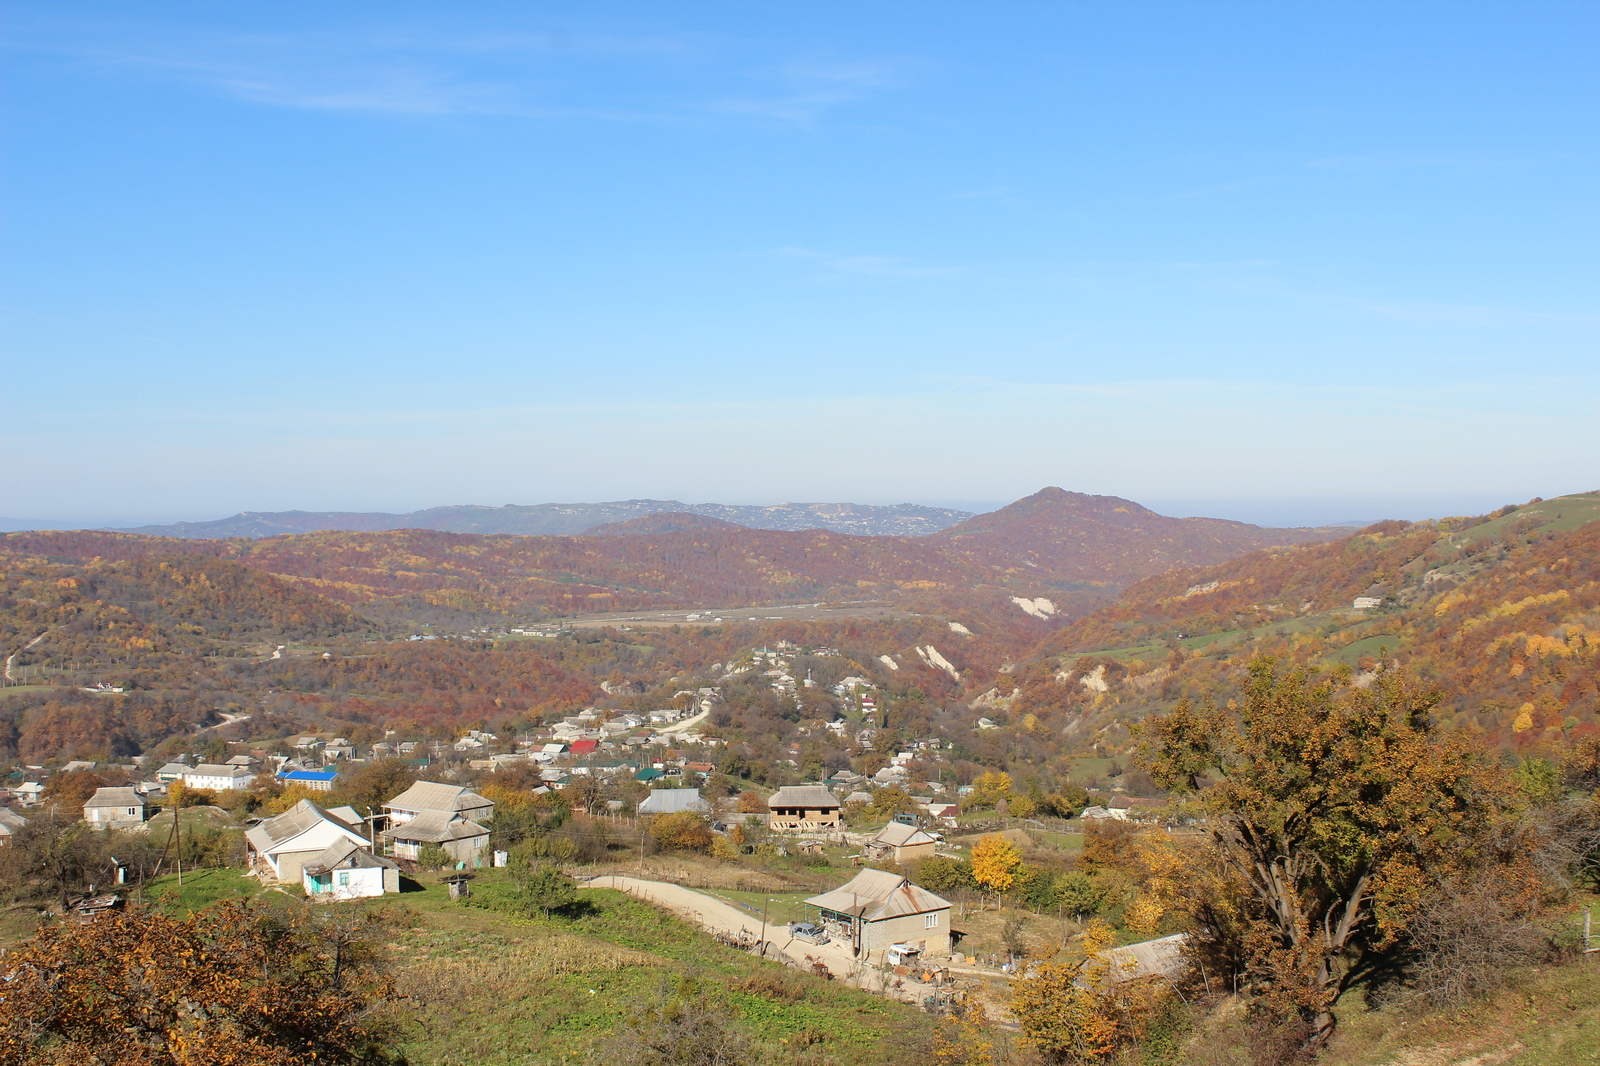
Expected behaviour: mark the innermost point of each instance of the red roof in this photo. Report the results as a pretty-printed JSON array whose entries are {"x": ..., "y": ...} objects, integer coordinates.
[{"x": 584, "y": 747}]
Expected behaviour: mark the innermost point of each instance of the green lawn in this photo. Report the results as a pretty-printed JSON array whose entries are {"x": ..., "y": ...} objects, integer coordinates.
[
  {"x": 201, "y": 888},
  {"x": 786, "y": 908},
  {"x": 1351, "y": 653}
]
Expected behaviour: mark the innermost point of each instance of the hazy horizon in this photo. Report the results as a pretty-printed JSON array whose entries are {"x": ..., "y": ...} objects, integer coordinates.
[{"x": 1263, "y": 512}]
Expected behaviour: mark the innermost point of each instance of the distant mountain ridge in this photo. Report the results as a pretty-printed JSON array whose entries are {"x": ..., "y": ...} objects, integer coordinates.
[
  {"x": 568, "y": 519},
  {"x": 1032, "y": 565}
]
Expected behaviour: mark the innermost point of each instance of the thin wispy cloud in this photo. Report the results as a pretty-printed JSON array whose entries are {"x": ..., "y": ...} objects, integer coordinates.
[
  {"x": 404, "y": 72},
  {"x": 812, "y": 88},
  {"x": 873, "y": 266},
  {"x": 1380, "y": 161}
]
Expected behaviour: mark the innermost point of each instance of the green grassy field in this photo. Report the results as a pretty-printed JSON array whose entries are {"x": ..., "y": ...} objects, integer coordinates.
[
  {"x": 784, "y": 908},
  {"x": 200, "y": 889},
  {"x": 1555, "y": 515},
  {"x": 1351, "y": 653},
  {"x": 495, "y": 988}
]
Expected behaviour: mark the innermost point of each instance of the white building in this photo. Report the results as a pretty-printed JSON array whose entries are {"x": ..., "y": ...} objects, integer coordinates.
[
  {"x": 218, "y": 777},
  {"x": 280, "y": 846},
  {"x": 346, "y": 871}
]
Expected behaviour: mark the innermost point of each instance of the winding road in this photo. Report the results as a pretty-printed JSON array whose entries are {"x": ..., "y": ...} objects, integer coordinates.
[{"x": 12, "y": 658}]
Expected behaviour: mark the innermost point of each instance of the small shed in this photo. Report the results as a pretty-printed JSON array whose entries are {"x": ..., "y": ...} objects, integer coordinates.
[{"x": 346, "y": 871}]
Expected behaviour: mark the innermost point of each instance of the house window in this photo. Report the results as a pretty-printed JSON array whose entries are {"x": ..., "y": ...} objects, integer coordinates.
[
  {"x": 930, "y": 921},
  {"x": 344, "y": 878},
  {"x": 133, "y": 810}
]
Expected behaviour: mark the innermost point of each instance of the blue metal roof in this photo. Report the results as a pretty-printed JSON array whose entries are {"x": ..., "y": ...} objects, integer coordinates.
[{"x": 308, "y": 775}]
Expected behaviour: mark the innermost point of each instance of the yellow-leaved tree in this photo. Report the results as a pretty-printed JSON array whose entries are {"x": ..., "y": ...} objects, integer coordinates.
[
  {"x": 1084, "y": 1011},
  {"x": 994, "y": 864},
  {"x": 989, "y": 789}
]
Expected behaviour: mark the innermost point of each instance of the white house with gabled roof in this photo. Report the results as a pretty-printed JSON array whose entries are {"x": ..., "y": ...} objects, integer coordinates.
[{"x": 280, "y": 846}]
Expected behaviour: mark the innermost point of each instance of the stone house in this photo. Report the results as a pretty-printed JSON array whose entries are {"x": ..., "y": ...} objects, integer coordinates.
[
  {"x": 448, "y": 816},
  {"x": 899, "y": 843},
  {"x": 115, "y": 808},
  {"x": 876, "y": 910}
]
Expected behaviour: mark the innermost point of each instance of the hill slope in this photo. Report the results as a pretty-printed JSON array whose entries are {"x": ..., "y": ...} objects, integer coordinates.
[
  {"x": 1062, "y": 553},
  {"x": 1503, "y": 616}
]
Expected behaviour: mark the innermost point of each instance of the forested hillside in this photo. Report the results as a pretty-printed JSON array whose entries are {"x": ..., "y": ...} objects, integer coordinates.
[
  {"x": 1010, "y": 641},
  {"x": 1063, "y": 553},
  {"x": 1500, "y": 613}
]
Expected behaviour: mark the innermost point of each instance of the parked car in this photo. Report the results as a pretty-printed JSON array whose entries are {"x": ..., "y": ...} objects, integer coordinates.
[{"x": 810, "y": 932}]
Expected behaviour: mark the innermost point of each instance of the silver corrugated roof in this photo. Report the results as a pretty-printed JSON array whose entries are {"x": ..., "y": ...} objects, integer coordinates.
[
  {"x": 433, "y": 796},
  {"x": 435, "y": 827},
  {"x": 874, "y": 895}
]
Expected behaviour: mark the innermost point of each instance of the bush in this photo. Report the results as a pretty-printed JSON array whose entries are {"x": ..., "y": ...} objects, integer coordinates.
[
  {"x": 939, "y": 874},
  {"x": 682, "y": 831}
]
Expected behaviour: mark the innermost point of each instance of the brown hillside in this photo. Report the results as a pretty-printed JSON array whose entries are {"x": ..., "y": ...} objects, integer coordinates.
[
  {"x": 663, "y": 522},
  {"x": 1064, "y": 553},
  {"x": 1107, "y": 538}
]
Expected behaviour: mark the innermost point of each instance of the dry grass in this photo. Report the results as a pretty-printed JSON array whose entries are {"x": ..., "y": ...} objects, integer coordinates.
[
  {"x": 432, "y": 982},
  {"x": 709, "y": 874}
]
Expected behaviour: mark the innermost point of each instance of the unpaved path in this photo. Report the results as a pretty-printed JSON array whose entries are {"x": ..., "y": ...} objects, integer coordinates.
[
  {"x": 12, "y": 658},
  {"x": 686, "y": 724},
  {"x": 716, "y": 916}
]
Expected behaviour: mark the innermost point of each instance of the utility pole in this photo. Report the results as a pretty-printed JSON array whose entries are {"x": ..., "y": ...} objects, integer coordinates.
[
  {"x": 763, "y": 944},
  {"x": 177, "y": 829}
]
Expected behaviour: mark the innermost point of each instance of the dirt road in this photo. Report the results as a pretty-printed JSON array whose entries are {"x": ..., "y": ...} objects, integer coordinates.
[
  {"x": 12, "y": 658},
  {"x": 716, "y": 916}
]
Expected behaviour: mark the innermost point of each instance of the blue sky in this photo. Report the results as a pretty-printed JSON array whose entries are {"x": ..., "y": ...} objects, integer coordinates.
[{"x": 1282, "y": 262}]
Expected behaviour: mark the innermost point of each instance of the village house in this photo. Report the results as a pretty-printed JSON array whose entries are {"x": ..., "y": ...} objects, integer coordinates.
[
  {"x": 345, "y": 870},
  {"x": 899, "y": 843},
  {"x": 876, "y": 911},
  {"x": 312, "y": 780},
  {"x": 446, "y": 816},
  {"x": 673, "y": 800},
  {"x": 424, "y": 796},
  {"x": 173, "y": 771},
  {"x": 218, "y": 777},
  {"x": 1113, "y": 813},
  {"x": 10, "y": 822},
  {"x": 115, "y": 808},
  {"x": 804, "y": 807},
  {"x": 278, "y": 847},
  {"x": 29, "y": 792}
]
